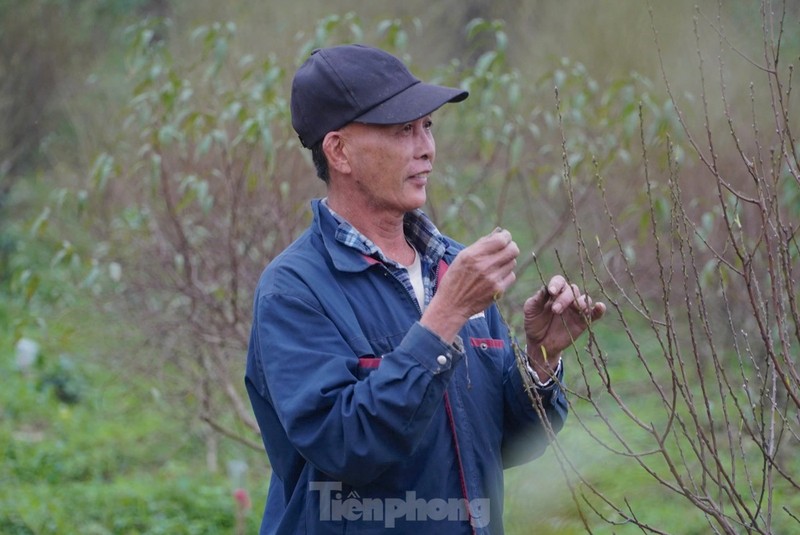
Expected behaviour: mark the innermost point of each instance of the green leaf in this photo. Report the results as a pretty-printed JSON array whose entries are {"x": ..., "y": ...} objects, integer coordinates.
[
  {"x": 474, "y": 27},
  {"x": 64, "y": 254},
  {"x": 40, "y": 223},
  {"x": 485, "y": 62},
  {"x": 101, "y": 170}
]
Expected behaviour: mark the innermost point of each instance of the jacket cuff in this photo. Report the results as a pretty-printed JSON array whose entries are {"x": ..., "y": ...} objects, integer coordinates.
[
  {"x": 550, "y": 380},
  {"x": 433, "y": 353},
  {"x": 548, "y": 391}
]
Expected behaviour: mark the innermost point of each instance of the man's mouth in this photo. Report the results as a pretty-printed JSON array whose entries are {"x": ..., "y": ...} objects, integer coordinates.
[{"x": 420, "y": 177}]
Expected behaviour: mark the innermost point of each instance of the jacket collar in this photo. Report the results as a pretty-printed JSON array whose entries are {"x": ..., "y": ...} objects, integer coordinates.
[{"x": 344, "y": 258}]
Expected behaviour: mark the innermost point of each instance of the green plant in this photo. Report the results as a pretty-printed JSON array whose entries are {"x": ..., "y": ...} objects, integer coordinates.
[
  {"x": 114, "y": 462},
  {"x": 719, "y": 303},
  {"x": 206, "y": 184}
]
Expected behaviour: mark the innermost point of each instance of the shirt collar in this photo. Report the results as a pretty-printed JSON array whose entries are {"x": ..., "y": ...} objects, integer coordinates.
[{"x": 418, "y": 228}]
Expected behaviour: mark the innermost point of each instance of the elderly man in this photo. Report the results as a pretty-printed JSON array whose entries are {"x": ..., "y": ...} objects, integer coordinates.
[{"x": 380, "y": 372}]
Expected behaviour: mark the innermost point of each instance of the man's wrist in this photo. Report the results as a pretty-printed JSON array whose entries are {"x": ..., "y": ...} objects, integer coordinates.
[
  {"x": 457, "y": 343},
  {"x": 444, "y": 322},
  {"x": 542, "y": 366},
  {"x": 549, "y": 379}
]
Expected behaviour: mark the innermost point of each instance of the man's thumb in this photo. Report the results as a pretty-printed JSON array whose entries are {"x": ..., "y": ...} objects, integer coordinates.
[{"x": 534, "y": 305}]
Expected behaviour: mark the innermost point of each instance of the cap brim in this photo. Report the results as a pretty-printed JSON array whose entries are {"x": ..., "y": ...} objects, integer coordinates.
[{"x": 412, "y": 103}]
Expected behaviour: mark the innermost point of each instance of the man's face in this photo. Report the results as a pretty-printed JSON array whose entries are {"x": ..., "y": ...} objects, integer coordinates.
[{"x": 390, "y": 163}]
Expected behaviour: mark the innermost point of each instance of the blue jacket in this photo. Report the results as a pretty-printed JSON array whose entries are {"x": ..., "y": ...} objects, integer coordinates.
[{"x": 369, "y": 420}]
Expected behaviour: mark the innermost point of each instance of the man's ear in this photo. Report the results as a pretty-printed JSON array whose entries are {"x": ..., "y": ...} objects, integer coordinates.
[{"x": 333, "y": 147}]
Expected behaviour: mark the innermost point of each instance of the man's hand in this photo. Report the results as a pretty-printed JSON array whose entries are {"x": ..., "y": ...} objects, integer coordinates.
[
  {"x": 476, "y": 277},
  {"x": 554, "y": 317}
]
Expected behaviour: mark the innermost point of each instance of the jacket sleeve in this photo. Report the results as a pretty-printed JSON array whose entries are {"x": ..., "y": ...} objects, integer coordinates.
[
  {"x": 350, "y": 429},
  {"x": 524, "y": 434}
]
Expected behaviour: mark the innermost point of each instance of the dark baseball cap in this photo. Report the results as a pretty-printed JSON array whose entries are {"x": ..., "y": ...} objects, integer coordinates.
[{"x": 357, "y": 83}]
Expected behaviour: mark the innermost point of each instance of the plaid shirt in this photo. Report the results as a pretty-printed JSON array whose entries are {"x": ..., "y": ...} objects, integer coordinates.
[{"x": 420, "y": 232}]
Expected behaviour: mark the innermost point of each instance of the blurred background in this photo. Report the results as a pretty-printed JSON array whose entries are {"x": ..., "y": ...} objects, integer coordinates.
[{"x": 148, "y": 173}]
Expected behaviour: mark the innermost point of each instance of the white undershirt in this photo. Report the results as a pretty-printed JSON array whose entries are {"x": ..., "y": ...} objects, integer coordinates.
[{"x": 415, "y": 276}]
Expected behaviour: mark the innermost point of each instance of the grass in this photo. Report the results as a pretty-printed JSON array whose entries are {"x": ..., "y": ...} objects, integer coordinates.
[
  {"x": 91, "y": 439},
  {"x": 90, "y": 446},
  {"x": 88, "y": 449}
]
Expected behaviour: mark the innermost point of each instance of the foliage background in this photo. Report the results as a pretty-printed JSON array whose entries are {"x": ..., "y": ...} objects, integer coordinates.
[{"x": 148, "y": 173}]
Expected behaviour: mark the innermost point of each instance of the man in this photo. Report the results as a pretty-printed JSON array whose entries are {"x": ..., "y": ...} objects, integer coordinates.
[{"x": 380, "y": 372}]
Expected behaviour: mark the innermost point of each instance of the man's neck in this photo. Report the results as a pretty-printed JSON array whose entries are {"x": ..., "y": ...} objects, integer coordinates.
[{"x": 384, "y": 229}]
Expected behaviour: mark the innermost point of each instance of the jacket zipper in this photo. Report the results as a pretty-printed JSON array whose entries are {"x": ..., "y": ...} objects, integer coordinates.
[{"x": 462, "y": 477}]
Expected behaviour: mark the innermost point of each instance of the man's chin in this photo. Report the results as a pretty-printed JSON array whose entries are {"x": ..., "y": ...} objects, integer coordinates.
[{"x": 418, "y": 201}]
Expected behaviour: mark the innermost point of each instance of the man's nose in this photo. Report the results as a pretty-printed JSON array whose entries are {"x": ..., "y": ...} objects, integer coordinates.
[{"x": 426, "y": 147}]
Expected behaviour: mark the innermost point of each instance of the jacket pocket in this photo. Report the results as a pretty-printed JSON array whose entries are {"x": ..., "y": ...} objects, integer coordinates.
[
  {"x": 487, "y": 343},
  {"x": 366, "y": 364}
]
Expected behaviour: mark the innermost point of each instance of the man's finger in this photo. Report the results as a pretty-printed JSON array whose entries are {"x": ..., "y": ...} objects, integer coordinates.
[
  {"x": 584, "y": 304},
  {"x": 568, "y": 296},
  {"x": 499, "y": 233},
  {"x": 556, "y": 285},
  {"x": 597, "y": 311},
  {"x": 534, "y": 305},
  {"x": 495, "y": 242}
]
